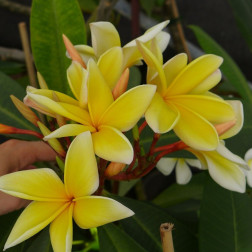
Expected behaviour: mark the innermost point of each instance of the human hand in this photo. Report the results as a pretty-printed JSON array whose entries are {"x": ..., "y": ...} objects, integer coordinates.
[{"x": 16, "y": 155}]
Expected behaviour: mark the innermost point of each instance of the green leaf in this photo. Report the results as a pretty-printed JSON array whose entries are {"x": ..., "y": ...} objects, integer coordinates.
[
  {"x": 9, "y": 115},
  {"x": 49, "y": 20},
  {"x": 229, "y": 67},
  {"x": 176, "y": 194},
  {"x": 242, "y": 12},
  {"x": 114, "y": 239},
  {"x": 144, "y": 227},
  {"x": 9, "y": 67},
  {"x": 41, "y": 243},
  {"x": 225, "y": 220}
]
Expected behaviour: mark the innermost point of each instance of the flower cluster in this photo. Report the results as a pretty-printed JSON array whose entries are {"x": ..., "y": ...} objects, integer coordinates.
[{"x": 176, "y": 97}]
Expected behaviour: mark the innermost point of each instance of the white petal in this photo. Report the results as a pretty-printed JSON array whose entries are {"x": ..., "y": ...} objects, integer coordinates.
[
  {"x": 166, "y": 165},
  {"x": 183, "y": 172}
]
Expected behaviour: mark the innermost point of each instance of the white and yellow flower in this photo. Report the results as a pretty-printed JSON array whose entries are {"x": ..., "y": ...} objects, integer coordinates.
[
  {"x": 103, "y": 116},
  {"x": 57, "y": 203},
  {"x": 181, "y": 165},
  {"x": 183, "y": 101}
]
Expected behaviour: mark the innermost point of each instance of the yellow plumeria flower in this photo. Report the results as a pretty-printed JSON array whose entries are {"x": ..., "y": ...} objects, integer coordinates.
[
  {"x": 181, "y": 165},
  {"x": 226, "y": 168},
  {"x": 106, "y": 48},
  {"x": 105, "y": 118},
  {"x": 182, "y": 101},
  {"x": 56, "y": 203}
]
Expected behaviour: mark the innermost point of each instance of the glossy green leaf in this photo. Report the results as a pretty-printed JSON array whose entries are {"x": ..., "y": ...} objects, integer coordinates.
[
  {"x": 225, "y": 220},
  {"x": 9, "y": 115},
  {"x": 229, "y": 68},
  {"x": 114, "y": 239},
  {"x": 242, "y": 12},
  {"x": 144, "y": 227},
  {"x": 41, "y": 242},
  {"x": 176, "y": 193},
  {"x": 49, "y": 20}
]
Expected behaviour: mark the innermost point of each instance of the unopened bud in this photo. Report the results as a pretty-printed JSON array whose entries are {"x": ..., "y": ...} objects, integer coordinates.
[
  {"x": 114, "y": 168},
  {"x": 25, "y": 110},
  {"x": 41, "y": 81},
  {"x": 224, "y": 127},
  {"x": 73, "y": 53},
  {"x": 53, "y": 142},
  {"x": 121, "y": 85}
]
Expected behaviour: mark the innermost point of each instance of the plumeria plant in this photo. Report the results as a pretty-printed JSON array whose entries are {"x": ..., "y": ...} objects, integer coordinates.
[{"x": 97, "y": 124}]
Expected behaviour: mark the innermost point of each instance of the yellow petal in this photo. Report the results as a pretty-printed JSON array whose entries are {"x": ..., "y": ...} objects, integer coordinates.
[
  {"x": 96, "y": 211},
  {"x": 122, "y": 84},
  {"x": 110, "y": 65},
  {"x": 86, "y": 52},
  {"x": 112, "y": 145},
  {"x": 41, "y": 80},
  {"x": 99, "y": 93},
  {"x": 212, "y": 109},
  {"x": 153, "y": 62},
  {"x": 77, "y": 77},
  {"x": 69, "y": 130},
  {"x": 239, "y": 117},
  {"x": 160, "y": 116},
  {"x": 61, "y": 231},
  {"x": 81, "y": 173},
  {"x": 37, "y": 184},
  {"x": 163, "y": 39},
  {"x": 224, "y": 172},
  {"x": 194, "y": 74},
  {"x": 33, "y": 219},
  {"x": 25, "y": 110},
  {"x": 195, "y": 131},
  {"x": 124, "y": 113},
  {"x": 211, "y": 81},
  {"x": 131, "y": 56},
  {"x": 100, "y": 31},
  {"x": 49, "y": 93}
]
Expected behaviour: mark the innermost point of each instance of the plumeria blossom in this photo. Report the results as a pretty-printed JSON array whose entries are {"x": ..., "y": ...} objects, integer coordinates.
[
  {"x": 226, "y": 168},
  {"x": 57, "y": 203},
  {"x": 183, "y": 101},
  {"x": 248, "y": 159},
  {"x": 104, "y": 117},
  {"x": 106, "y": 48},
  {"x": 182, "y": 170}
]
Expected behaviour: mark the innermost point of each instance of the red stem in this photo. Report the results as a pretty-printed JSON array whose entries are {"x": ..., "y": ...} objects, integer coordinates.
[
  {"x": 153, "y": 144},
  {"x": 143, "y": 125}
]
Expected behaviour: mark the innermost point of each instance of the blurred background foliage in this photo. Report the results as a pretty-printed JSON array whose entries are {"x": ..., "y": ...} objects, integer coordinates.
[{"x": 206, "y": 216}]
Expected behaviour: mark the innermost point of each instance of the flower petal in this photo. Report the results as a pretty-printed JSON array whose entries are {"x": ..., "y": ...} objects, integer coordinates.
[
  {"x": 69, "y": 130},
  {"x": 110, "y": 65},
  {"x": 224, "y": 172},
  {"x": 183, "y": 172},
  {"x": 124, "y": 113},
  {"x": 153, "y": 62},
  {"x": 49, "y": 93},
  {"x": 61, "y": 231},
  {"x": 37, "y": 184},
  {"x": 196, "y": 72},
  {"x": 99, "y": 93},
  {"x": 81, "y": 172},
  {"x": 95, "y": 211},
  {"x": 212, "y": 109},
  {"x": 211, "y": 81},
  {"x": 166, "y": 165},
  {"x": 195, "y": 130},
  {"x": 77, "y": 77},
  {"x": 67, "y": 110},
  {"x": 33, "y": 219},
  {"x": 112, "y": 145},
  {"x": 86, "y": 52},
  {"x": 248, "y": 155},
  {"x": 226, "y": 153},
  {"x": 239, "y": 116},
  {"x": 160, "y": 116},
  {"x": 163, "y": 39},
  {"x": 194, "y": 163},
  {"x": 101, "y": 30}
]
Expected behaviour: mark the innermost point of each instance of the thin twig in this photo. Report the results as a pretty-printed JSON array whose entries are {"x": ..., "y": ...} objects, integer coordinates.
[
  {"x": 176, "y": 30},
  {"x": 15, "y": 7},
  {"x": 166, "y": 237},
  {"x": 11, "y": 54},
  {"x": 27, "y": 51}
]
